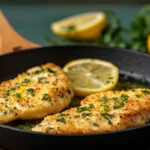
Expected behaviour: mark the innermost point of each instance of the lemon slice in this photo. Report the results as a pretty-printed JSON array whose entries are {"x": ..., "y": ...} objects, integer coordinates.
[
  {"x": 148, "y": 43},
  {"x": 84, "y": 26},
  {"x": 90, "y": 76}
]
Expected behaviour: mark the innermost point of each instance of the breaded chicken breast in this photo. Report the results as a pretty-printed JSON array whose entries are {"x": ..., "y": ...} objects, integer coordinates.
[
  {"x": 101, "y": 112},
  {"x": 40, "y": 91}
]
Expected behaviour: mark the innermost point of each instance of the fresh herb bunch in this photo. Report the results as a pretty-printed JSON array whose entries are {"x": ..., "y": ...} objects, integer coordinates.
[
  {"x": 114, "y": 33},
  {"x": 140, "y": 29}
]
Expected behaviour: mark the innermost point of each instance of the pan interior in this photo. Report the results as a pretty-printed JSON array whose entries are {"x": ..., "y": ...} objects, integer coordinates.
[{"x": 132, "y": 72}]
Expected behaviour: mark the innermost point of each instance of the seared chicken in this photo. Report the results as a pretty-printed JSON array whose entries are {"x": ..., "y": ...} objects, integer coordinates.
[
  {"x": 102, "y": 112},
  {"x": 40, "y": 91}
]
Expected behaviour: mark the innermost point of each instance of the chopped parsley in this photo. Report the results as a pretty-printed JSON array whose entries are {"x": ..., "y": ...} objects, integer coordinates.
[
  {"x": 119, "y": 105},
  {"x": 108, "y": 117},
  {"x": 138, "y": 96},
  {"x": 5, "y": 112},
  {"x": 42, "y": 80},
  {"x": 124, "y": 97},
  {"x": 47, "y": 129},
  {"x": 62, "y": 120},
  {"x": 145, "y": 91},
  {"x": 38, "y": 71},
  {"x": 18, "y": 96},
  {"x": 15, "y": 108},
  {"x": 8, "y": 91},
  {"x": 46, "y": 97},
  {"x": 31, "y": 91},
  {"x": 106, "y": 107},
  {"x": 85, "y": 114},
  {"x": 104, "y": 98},
  {"x": 50, "y": 70},
  {"x": 11, "y": 111},
  {"x": 91, "y": 106},
  {"x": 81, "y": 109},
  {"x": 95, "y": 124},
  {"x": 76, "y": 116},
  {"x": 97, "y": 77},
  {"x": 26, "y": 80}
]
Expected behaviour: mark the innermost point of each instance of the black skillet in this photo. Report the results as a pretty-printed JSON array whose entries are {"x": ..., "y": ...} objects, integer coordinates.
[{"x": 132, "y": 64}]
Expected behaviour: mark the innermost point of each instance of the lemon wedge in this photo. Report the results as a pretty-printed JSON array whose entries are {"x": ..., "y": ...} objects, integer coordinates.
[
  {"x": 89, "y": 76},
  {"x": 86, "y": 26},
  {"x": 148, "y": 43}
]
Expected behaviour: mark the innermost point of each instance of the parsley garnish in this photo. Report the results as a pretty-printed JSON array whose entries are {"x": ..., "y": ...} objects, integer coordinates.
[
  {"x": 95, "y": 124},
  {"x": 138, "y": 96},
  {"x": 5, "y": 112},
  {"x": 81, "y": 109},
  {"x": 62, "y": 120},
  {"x": 11, "y": 111},
  {"x": 46, "y": 97},
  {"x": 37, "y": 71},
  {"x": 18, "y": 95},
  {"x": 145, "y": 91},
  {"x": 108, "y": 117},
  {"x": 8, "y": 91},
  {"x": 47, "y": 129},
  {"x": 104, "y": 99},
  {"x": 42, "y": 80},
  {"x": 91, "y": 106},
  {"x": 85, "y": 114},
  {"x": 50, "y": 70},
  {"x": 76, "y": 116},
  {"x": 26, "y": 80},
  {"x": 124, "y": 97},
  {"x": 31, "y": 91}
]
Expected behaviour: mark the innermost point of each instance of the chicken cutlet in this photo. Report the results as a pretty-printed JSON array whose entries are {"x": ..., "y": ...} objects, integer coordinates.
[
  {"x": 101, "y": 112},
  {"x": 34, "y": 94}
]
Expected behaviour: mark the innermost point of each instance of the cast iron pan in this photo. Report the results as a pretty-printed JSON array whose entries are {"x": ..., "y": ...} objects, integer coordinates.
[{"x": 132, "y": 64}]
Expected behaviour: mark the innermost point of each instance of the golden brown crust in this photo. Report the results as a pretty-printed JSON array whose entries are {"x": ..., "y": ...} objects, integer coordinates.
[
  {"x": 40, "y": 91},
  {"x": 101, "y": 112}
]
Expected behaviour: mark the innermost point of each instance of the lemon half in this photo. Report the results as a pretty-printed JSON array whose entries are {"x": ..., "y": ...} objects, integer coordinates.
[
  {"x": 86, "y": 26},
  {"x": 89, "y": 76}
]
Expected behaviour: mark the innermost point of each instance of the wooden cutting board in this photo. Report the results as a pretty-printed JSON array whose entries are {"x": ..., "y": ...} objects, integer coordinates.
[{"x": 10, "y": 40}]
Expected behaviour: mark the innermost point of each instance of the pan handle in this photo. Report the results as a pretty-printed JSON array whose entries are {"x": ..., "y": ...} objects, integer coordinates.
[{"x": 10, "y": 40}]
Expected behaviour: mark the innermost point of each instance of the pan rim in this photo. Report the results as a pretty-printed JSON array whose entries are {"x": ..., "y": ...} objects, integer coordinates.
[
  {"x": 72, "y": 135},
  {"x": 77, "y": 46}
]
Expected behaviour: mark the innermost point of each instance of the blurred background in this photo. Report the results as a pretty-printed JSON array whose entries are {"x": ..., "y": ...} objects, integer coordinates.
[
  {"x": 79, "y": 1},
  {"x": 32, "y": 18}
]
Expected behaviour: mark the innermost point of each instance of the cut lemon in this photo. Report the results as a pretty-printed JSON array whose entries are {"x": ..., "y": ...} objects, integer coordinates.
[
  {"x": 148, "y": 43},
  {"x": 84, "y": 26},
  {"x": 89, "y": 76}
]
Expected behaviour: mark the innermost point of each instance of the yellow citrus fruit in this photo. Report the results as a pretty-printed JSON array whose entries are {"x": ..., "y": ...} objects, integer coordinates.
[
  {"x": 90, "y": 76},
  {"x": 148, "y": 43},
  {"x": 86, "y": 26}
]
